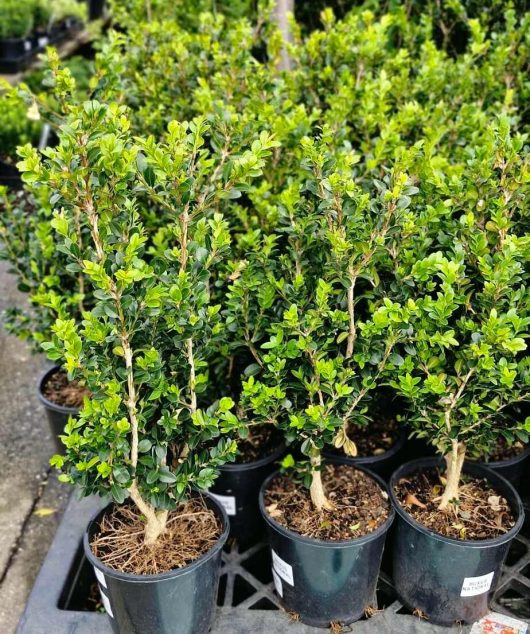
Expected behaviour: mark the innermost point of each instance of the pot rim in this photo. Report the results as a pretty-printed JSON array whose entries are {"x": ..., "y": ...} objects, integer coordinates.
[
  {"x": 492, "y": 477},
  {"x": 255, "y": 464},
  {"x": 367, "y": 460},
  {"x": 73, "y": 411},
  {"x": 164, "y": 576},
  {"x": 509, "y": 462},
  {"x": 323, "y": 543}
]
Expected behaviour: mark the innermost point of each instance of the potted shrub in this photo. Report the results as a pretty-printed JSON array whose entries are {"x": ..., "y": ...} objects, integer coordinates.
[
  {"x": 28, "y": 244},
  {"x": 15, "y": 26},
  {"x": 17, "y": 128},
  {"x": 260, "y": 444},
  {"x": 142, "y": 434},
  {"x": 325, "y": 520},
  {"x": 465, "y": 368},
  {"x": 66, "y": 16},
  {"x": 41, "y": 17}
]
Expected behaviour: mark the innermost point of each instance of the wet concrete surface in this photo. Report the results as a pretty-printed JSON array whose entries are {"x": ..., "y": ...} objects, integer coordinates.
[{"x": 31, "y": 499}]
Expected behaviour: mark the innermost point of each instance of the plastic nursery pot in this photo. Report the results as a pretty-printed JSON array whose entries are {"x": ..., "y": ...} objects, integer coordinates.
[
  {"x": 181, "y": 601},
  {"x": 15, "y": 47},
  {"x": 512, "y": 469},
  {"x": 382, "y": 464},
  {"x": 237, "y": 490},
  {"x": 449, "y": 580},
  {"x": 10, "y": 176},
  {"x": 325, "y": 581},
  {"x": 57, "y": 414},
  {"x": 95, "y": 9}
]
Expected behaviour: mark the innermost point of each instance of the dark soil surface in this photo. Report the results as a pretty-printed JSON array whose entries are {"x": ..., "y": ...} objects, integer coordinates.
[
  {"x": 262, "y": 441},
  {"x": 360, "y": 505},
  {"x": 375, "y": 439},
  {"x": 504, "y": 451},
  {"x": 191, "y": 531},
  {"x": 481, "y": 513},
  {"x": 60, "y": 391}
]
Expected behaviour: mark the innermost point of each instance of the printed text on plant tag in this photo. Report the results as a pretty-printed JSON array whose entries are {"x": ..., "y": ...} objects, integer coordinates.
[
  {"x": 228, "y": 502},
  {"x": 282, "y": 568},
  {"x": 474, "y": 586}
]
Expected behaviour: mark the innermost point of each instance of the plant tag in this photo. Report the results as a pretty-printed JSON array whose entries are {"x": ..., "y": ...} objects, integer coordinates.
[
  {"x": 277, "y": 583},
  {"x": 282, "y": 568},
  {"x": 100, "y": 577},
  {"x": 106, "y": 604},
  {"x": 228, "y": 502},
  {"x": 474, "y": 586},
  {"x": 495, "y": 623},
  {"x": 27, "y": 45},
  {"x": 43, "y": 41}
]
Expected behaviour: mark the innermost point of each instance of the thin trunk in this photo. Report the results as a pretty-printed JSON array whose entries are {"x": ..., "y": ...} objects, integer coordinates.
[
  {"x": 184, "y": 221},
  {"x": 318, "y": 495},
  {"x": 351, "y": 314},
  {"x": 455, "y": 462},
  {"x": 193, "y": 378},
  {"x": 283, "y": 8},
  {"x": 155, "y": 521}
]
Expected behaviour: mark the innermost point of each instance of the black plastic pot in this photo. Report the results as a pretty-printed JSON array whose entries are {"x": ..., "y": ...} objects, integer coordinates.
[
  {"x": 95, "y": 9},
  {"x": 513, "y": 469},
  {"x": 383, "y": 464},
  {"x": 325, "y": 581},
  {"x": 57, "y": 414},
  {"x": 181, "y": 601},
  {"x": 41, "y": 40},
  {"x": 449, "y": 580},
  {"x": 9, "y": 174},
  {"x": 237, "y": 489},
  {"x": 15, "y": 47}
]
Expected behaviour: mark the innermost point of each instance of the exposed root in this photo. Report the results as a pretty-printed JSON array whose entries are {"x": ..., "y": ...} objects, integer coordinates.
[{"x": 191, "y": 530}]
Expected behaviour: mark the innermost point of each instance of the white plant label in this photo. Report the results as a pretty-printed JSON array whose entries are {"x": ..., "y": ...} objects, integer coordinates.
[
  {"x": 282, "y": 568},
  {"x": 228, "y": 502},
  {"x": 27, "y": 45},
  {"x": 474, "y": 586},
  {"x": 43, "y": 41},
  {"x": 100, "y": 577},
  {"x": 106, "y": 604},
  {"x": 277, "y": 583}
]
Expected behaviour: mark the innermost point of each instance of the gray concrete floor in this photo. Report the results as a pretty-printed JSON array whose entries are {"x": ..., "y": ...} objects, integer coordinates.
[{"x": 31, "y": 498}]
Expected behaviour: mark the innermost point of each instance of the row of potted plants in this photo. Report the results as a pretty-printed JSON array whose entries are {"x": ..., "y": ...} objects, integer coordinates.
[
  {"x": 306, "y": 265},
  {"x": 28, "y": 26}
]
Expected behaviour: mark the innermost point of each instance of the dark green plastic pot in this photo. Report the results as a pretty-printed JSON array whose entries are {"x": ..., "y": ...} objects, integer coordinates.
[
  {"x": 449, "y": 580},
  {"x": 383, "y": 464},
  {"x": 325, "y": 581},
  {"x": 57, "y": 414},
  {"x": 512, "y": 469},
  {"x": 181, "y": 601},
  {"x": 237, "y": 490}
]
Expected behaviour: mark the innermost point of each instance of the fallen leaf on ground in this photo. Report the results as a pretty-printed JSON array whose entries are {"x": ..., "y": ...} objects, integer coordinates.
[{"x": 44, "y": 512}]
